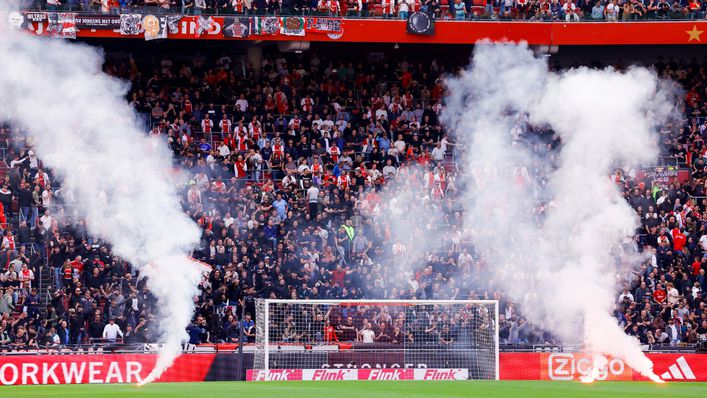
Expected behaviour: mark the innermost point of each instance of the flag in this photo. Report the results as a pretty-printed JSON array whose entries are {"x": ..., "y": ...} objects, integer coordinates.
[
  {"x": 130, "y": 24},
  {"x": 154, "y": 27},
  {"x": 269, "y": 25},
  {"x": 173, "y": 23},
  {"x": 67, "y": 21},
  {"x": 61, "y": 24},
  {"x": 203, "y": 25},
  {"x": 292, "y": 26},
  {"x": 237, "y": 27}
]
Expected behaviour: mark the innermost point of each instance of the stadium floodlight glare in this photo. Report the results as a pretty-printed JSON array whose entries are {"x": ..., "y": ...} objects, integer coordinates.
[{"x": 459, "y": 335}]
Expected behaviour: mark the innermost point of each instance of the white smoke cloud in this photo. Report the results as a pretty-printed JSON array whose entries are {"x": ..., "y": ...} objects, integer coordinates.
[
  {"x": 413, "y": 216},
  {"x": 86, "y": 132},
  {"x": 550, "y": 222}
]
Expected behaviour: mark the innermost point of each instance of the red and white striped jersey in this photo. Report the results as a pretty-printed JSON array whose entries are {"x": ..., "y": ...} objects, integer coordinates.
[
  {"x": 242, "y": 141},
  {"x": 207, "y": 125},
  {"x": 225, "y": 125}
]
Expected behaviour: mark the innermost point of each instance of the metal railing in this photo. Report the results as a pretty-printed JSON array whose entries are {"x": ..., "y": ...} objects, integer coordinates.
[
  {"x": 473, "y": 11},
  {"x": 120, "y": 348}
]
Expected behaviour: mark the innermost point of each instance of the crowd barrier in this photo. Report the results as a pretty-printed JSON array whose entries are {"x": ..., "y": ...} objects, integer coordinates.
[{"x": 192, "y": 367}]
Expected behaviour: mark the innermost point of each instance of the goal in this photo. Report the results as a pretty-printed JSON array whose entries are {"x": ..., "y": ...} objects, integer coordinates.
[{"x": 376, "y": 339}]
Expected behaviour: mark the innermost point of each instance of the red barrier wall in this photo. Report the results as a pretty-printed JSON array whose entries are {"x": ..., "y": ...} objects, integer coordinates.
[
  {"x": 132, "y": 368},
  {"x": 97, "y": 369}
]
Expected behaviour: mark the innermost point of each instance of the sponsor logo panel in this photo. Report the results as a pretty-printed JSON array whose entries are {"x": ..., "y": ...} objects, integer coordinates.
[
  {"x": 98, "y": 369},
  {"x": 572, "y": 366},
  {"x": 441, "y": 374}
]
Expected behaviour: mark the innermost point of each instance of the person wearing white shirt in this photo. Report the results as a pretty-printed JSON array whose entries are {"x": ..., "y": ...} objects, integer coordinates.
[
  {"x": 328, "y": 122},
  {"x": 243, "y": 103},
  {"x": 313, "y": 200},
  {"x": 438, "y": 153},
  {"x": 224, "y": 150},
  {"x": 703, "y": 243},
  {"x": 366, "y": 334},
  {"x": 612, "y": 11},
  {"x": 626, "y": 294},
  {"x": 381, "y": 113},
  {"x": 46, "y": 220},
  {"x": 403, "y": 10},
  {"x": 47, "y": 196},
  {"x": 111, "y": 331},
  {"x": 33, "y": 161},
  {"x": 570, "y": 11},
  {"x": 389, "y": 170},
  {"x": 17, "y": 162},
  {"x": 228, "y": 220},
  {"x": 673, "y": 294}
]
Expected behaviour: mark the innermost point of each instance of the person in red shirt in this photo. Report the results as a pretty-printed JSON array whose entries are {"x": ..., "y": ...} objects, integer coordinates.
[
  {"x": 229, "y": 141},
  {"x": 280, "y": 101},
  {"x": 338, "y": 275},
  {"x": 696, "y": 266},
  {"x": 242, "y": 141},
  {"x": 330, "y": 332},
  {"x": 679, "y": 239},
  {"x": 187, "y": 105},
  {"x": 77, "y": 264},
  {"x": 225, "y": 125},
  {"x": 255, "y": 129},
  {"x": 240, "y": 167},
  {"x": 206, "y": 126}
]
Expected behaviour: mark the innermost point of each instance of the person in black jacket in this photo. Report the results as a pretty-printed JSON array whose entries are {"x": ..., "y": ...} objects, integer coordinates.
[{"x": 24, "y": 201}]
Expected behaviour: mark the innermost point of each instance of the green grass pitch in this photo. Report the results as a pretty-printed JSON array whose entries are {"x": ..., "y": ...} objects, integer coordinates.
[{"x": 368, "y": 389}]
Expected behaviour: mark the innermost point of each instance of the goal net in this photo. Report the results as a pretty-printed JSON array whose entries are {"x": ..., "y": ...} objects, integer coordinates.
[{"x": 376, "y": 339}]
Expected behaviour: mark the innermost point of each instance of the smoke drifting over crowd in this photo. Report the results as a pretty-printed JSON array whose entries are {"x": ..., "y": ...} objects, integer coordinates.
[
  {"x": 85, "y": 131},
  {"x": 544, "y": 215}
]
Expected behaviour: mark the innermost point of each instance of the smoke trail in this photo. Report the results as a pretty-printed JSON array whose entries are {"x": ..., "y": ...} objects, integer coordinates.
[
  {"x": 542, "y": 210},
  {"x": 85, "y": 131}
]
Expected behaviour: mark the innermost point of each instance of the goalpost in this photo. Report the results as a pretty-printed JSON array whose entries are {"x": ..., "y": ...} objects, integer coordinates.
[{"x": 376, "y": 339}]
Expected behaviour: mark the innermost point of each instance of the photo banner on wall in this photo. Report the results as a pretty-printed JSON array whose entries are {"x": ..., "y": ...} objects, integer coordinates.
[
  {"x": 237, "y": 27},
  {"x": 52, "y": 24},
  {"x": 154, "y": 27}
]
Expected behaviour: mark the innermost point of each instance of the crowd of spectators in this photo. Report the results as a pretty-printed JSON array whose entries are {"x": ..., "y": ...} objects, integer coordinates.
[
  {"x": 383, "y": 323},
  {"x": 288, "y": 170},
  {"x": 536, "y": 10}
]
